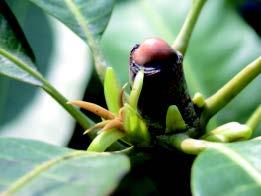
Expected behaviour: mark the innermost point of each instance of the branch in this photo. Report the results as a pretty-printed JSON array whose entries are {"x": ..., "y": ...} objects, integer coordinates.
[
  {"x": 224, "y": 95},
  {"x": 182, "y": 40},
  {"x": 186, "y": 144},
  {"x": 80, "y": 117}
]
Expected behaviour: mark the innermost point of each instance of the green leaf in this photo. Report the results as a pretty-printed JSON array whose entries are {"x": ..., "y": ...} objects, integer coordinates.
[
  {"x": 31, "y": 167},
  {"x": 112, "y": 91},
  {"x": 16, "y": 57},
  {"x": 88, "y": 19},
  {"x": 233, "y": 169},
  {"x": 214, "y": 56},
  {"x": 26, "y": 14}
]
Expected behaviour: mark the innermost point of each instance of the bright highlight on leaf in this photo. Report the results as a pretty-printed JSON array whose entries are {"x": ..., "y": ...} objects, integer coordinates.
[
  {"x": 174, "y": 120},
  {"x": 229, "y": 132}
]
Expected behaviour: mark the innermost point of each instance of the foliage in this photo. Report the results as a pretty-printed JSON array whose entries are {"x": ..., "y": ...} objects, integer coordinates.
[{"x": 214, "y": 55}]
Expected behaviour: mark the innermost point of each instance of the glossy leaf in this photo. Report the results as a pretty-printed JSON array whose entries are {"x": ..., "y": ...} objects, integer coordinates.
[
  {"x": 222, "y": 44},
  {"x": 33, "y": 168},
  {"x": 233, "y": 170},
  {"x": 10, "y": 106},
  {"x": 88, "y": 19},
  {"x": 112, "y": 91},
  {"x": 16, "y": 57}
]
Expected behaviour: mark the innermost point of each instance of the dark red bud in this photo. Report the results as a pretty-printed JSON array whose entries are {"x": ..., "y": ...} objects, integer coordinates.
[
  {"x": 163, "y": 85},
  {"x": 153, "y": 49}
]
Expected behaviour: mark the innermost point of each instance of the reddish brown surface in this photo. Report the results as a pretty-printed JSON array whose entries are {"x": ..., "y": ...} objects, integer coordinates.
[
  {"x": 153, "y": 49},
  {"x": 163, "y": 84}
]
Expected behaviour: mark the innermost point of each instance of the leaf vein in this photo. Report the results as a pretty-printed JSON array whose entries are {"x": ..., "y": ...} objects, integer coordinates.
[
  {"x": 40, "y": 168},
  {"x": 241, "y": 162}
]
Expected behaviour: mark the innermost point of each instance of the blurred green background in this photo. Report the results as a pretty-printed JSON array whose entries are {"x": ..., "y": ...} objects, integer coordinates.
[{"x": 222, "y": 44}]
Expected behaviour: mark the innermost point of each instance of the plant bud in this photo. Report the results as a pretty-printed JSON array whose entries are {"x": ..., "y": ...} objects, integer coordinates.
[{"x": 163, "y": 85}]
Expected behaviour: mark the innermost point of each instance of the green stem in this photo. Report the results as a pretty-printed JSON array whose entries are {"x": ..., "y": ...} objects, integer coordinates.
[
  {"x": 28, "y": 69},
  {"x": 255, "y": 118},
  {"x": 83, "y": 120},
  {"x": 182, "y": 40},
  {"x": 186, "y": 144},
  {"x": 76, "y": 114},
  {"x": 224, "y": 95},
  {"x": 104, "y": 140}
]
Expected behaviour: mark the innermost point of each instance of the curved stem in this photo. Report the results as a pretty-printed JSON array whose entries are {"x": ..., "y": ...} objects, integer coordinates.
[
  {"x": 76, "y": 114},
  {"x": 80, "y": 117},
  {"x": 182, "y": 41},
  {"x": 83, "y": 120},
  {"x": 255, "y": 118},
  {"x": 28, "y": 69},
  {"x": 104, "y": 140},
  {"x": 224, "y": 95},
  {"x": 186, "y": 144}
]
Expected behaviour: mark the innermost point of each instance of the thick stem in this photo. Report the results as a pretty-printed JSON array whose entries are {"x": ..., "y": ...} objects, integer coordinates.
[
  {"x": 224, "y": 95},
  {"x": 182, "y": 41},
  {"x": 254, "y": 119},
  {"x": 186, "y": 144}
]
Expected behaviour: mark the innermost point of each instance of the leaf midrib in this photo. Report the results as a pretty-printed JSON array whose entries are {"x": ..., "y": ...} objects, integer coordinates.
[
  {"x": 241, "y": 162},
  {"x": 15, "y": 186},
  {"x": 92, "y": 42},
  {"x": 80, "y": 19},
  {"x": 84, "y": 24}
]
